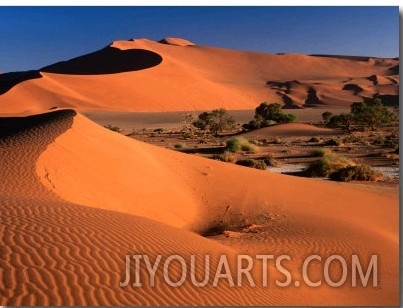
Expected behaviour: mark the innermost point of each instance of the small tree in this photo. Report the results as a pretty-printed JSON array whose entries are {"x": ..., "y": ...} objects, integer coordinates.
[
  {"x": 344, "y": 120},
  {"x": 216, "y": 121},
  {"x": 326, "y": 116},
  {"x": 371, "y": 113}
]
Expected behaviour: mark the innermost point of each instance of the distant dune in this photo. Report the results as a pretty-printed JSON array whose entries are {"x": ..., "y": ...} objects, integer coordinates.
[
  {"x": 175, "y": 75},
  {"x": 76, "y": 198},
  {"x": 289, "y": 129}
]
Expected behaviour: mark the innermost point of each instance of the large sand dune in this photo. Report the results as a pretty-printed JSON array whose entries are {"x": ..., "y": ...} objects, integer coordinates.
[
  {"x": 175, "y": 75},
  {"x": 76, "y": 198}
]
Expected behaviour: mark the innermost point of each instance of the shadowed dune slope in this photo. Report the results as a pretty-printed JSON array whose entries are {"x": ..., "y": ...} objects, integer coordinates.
[
  {"x": 107, "y": 61},
  {"x": 9, "y": 80},
  {"x": 192, "y": 78},
  {"x": 76, "y": 198}
]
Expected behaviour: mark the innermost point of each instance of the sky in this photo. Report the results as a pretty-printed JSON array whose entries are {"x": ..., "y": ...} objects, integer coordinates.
[{"x": 33, "y": 37}]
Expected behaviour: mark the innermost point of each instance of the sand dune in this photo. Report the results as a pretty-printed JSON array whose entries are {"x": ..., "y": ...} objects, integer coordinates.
[
  {"x": 74, "y": 203},
  {"x": 290, "y": 129},
  {"x": 124, "y": 76}
]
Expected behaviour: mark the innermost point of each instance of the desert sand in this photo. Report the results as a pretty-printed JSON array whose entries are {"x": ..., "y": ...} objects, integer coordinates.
[
  {"x": 76, "y": 198},
  {"x": 194, "y": 77}
]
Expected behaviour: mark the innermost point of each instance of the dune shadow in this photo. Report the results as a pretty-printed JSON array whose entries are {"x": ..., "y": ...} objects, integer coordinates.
[
  {"x": 9, "y": 80},
  {"x": 105, "y": 61},
  {"x": 109, "y": 60},
  {"x": 10, "y": 126}
]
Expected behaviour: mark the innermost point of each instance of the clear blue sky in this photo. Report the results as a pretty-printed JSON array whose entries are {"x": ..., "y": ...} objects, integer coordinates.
[{"x": 33, "y": 37}]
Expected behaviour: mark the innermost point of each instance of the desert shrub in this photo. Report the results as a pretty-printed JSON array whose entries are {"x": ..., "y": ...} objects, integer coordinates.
[
  {"x": 256, "y": 142},
  {"x": 159, "y": 130},
  {"x": 352, "y": 139},
  {"x": 333, "y": 142},
  {"x": 227, "y": 157},
  {"x": 321, "y": 152},
  {"x": 277, "y": 141},
  {"x": 113, "y": 128},
  {"x": 180, "y": 146},
  {"x": 356, "y": 173},
  {"x": 379, "y": 140},
  {"x": 238, "y": 144},
  {"x": 252, "y": 163},
  {"x": 392, "y": 141},
  {"x": 269, "y": 160},
  {"x": 314, "y": 139},
  {"x": 326, "y": 165}
]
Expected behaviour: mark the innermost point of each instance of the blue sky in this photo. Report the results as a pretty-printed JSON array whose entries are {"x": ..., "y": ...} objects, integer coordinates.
[{"x": 33, "y": 37}]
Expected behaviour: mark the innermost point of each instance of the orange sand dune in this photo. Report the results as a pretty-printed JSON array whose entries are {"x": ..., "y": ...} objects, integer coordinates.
[
  {"x": 174, "y": 75},
  {"x": 76, "y": 198}
]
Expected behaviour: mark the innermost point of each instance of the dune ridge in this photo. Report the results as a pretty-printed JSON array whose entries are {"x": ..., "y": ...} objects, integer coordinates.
[
  {"x": 196, "y": 77},
  {"x": 63, "y": 244}
]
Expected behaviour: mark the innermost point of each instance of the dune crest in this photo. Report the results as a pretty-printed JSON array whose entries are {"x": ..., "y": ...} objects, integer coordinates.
[
  {"x": 290, "y": 129},
  {"x": 176, "y": 41}
]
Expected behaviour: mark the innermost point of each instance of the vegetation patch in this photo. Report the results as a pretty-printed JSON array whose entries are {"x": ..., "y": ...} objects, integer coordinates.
[
  {"x": 227, "y": 157},
  {"x": 252, "y": 163},
  {"x": 355, "y": 173},
  {"x": 113, "y": 128},
  {"x": 238, "y": 144},
  {"x": 326, "y": 165},
  {"x": 179, "y": 146}
]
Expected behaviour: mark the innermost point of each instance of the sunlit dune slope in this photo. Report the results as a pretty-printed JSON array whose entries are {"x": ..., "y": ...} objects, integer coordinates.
[
  {"x": 175, "y": 75},
  {"x": 76, "y": 198}
]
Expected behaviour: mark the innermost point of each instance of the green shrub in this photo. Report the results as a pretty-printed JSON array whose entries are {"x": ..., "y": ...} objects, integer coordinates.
[
  {"x": 180, "y": 146},
  {"x": 238, "y": 144},
  {"x": 356, "y": 173},
  {"x": 227, "y": 157},
  {"x": 252, "y": 163},
  {"x": 326, "y": 165}
]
